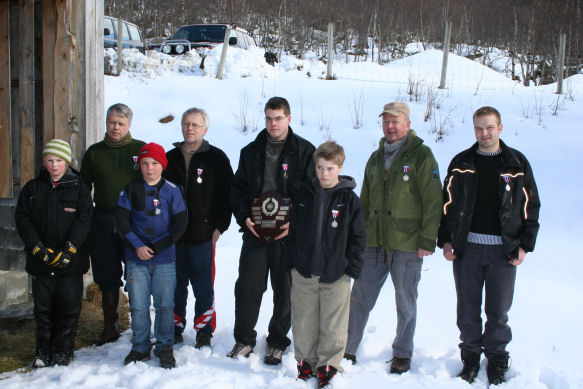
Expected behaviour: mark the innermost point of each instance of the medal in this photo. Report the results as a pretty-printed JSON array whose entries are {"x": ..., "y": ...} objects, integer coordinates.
[
  {"x": 507, "y": 180},
  {"x": 334, "y": 216},
  {"x": 405, "y": 170},
  {"x": 199, "y": 178},
  {"x": 156, "y": 202},
  {"x": 135, "y": 158},
  {"x": 284, "y": 168}
]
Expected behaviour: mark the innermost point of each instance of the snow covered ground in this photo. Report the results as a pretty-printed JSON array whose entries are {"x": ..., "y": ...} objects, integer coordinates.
[{"x": 548, "y": 303}]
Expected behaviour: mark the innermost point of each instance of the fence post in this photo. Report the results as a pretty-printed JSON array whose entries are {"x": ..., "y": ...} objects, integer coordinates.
[
  {"x": 329, "y": 75},
  {"x": 224, "y": 54},
  {"x": 119, "y": 45},
  {"x": 561, "y": 64},
  {"x": 445, "y": 53}
]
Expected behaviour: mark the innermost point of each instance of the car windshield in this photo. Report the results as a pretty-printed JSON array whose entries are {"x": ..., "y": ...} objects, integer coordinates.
[{"x": 201, "y": 33}]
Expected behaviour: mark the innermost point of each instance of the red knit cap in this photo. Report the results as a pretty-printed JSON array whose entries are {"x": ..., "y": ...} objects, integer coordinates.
[{"x": 153, "y": 150}]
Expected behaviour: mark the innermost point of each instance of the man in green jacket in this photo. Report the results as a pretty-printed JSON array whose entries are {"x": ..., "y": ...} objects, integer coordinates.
[
  {"x": 401, "y": 196},
  {"x": 107, "y": 167}
]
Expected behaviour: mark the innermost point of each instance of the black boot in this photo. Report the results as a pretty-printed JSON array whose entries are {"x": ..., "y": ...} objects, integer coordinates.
[
  {"x": 110, "y": 305},
  {"x": 497, "y": 366},
  {"x": 471, "y": 367},
  {"x": 325, "y": 375}
]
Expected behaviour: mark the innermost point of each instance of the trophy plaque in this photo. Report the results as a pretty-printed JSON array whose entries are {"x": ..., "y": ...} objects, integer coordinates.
[{"x": 269, "y": 212}]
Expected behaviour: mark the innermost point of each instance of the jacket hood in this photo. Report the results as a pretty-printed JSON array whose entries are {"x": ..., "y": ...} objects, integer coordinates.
[
  {"x": 343, "y": 182},
  {"x": 70, "y": 175}
]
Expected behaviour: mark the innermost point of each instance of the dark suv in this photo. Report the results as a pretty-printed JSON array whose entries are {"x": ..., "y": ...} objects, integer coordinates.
[
  {"x": 203, "y": 37},
  {"x": 131, "y": 34}
]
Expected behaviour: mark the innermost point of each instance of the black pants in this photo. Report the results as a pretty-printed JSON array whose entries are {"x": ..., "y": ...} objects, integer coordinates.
[
  {"x": 106, "y": 250},
  {"x": 257, "y": 261},
  {"x": 57, "y": 306},
  {"x": 484, "y": 265}
]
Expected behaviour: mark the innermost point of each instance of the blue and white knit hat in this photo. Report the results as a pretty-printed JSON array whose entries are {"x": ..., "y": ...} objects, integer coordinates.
[{"x": 59, "y": 148}]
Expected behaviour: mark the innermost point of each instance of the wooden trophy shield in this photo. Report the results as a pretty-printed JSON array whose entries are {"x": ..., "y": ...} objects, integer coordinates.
[{"x": 269, "y": 212}]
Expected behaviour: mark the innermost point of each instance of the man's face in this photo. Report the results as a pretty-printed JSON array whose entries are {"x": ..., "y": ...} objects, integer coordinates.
[
  {"x": 277, "y": 123},
  {"x": 487, "y": 130},
  {"x": 395, "y": 127},
  {"x": 117, "y": 126},
  {"x": 55, "y": 166},
  {"x": 151, "y": 170},
  {"x": 327, "y": 172},
  {"x": 193, "y": 128}
]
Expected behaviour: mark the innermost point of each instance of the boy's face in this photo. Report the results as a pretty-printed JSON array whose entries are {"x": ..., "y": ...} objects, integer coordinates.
[
  {"x": 277, "y": 123},
  {"x": 327, "y": 172},
  {"x": 151, "y": 170},
  {"x": 55, "y": 166}
]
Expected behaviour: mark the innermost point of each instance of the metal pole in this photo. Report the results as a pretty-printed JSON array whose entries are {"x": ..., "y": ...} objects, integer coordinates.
[
  {"x": 329, "y": 75},
  {"x": 561, "y": 64},
  {"x": 119, "y": 45},
  {"x": 224, "y": 54},
  {"x": 445, "y": 53}
]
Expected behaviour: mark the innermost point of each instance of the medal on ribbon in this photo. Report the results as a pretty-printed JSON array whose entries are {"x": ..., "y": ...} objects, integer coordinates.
[
  {"x": 507, "y": 180},
  {"x": 334, "y": 216},
  {"x": 405, "y": 171},
  {"x": 156, "y": 203},
  {"x": 284, "y": 168},
  {"x": 199, "y": 178},
  {"x": 135, "y": 158}
]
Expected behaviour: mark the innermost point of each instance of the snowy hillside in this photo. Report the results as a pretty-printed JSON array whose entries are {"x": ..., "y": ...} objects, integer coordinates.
[{"x": 548, "y": 303}]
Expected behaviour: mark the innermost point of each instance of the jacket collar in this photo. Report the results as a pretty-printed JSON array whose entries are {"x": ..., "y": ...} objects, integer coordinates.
[
  {"x": 508, "y": 155},
  {"x": 412, "y": 141}
]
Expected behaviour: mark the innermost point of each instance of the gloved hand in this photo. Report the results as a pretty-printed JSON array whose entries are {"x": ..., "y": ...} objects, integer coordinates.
[
  {"x": 64, "y": 256},
  {"x": 42, "y": 252}
]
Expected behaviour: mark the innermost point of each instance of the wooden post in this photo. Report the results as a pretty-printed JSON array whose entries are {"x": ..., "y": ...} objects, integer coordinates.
[
  {"x": 94, "y": 107},
  {"x": 119, "y": 45},
  {"x": 5, "y": 104},
  {"x": 445, "y": 54},
  {"x": 26, "y": 90},
  {"x": 329, "y": 74},
  {"x": 49, "y": 21},
  {"x": 224, "y": 54},
  {"x": 561, "y": 64}
]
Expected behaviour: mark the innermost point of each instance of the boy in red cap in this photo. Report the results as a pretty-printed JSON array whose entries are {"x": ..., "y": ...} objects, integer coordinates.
[{"x": 151, "y": 216}]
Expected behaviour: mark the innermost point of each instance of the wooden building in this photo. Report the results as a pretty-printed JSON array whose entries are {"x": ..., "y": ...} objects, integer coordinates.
[{"x": 51, "y": 86}]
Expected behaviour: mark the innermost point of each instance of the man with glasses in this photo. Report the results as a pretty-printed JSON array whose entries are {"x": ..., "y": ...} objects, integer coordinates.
[
  {"x": 204, "y": 173},
  {"x": 277, "y": 160}
]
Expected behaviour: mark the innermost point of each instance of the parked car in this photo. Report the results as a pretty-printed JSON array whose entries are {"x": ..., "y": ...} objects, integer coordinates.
[
  {"x": 131, "y": 34},
  {"x": 204, "y": 37}
]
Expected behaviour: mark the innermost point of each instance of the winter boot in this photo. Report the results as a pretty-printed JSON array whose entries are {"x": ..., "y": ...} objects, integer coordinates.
[
  {"x": 62, "y": 358},
  {"x": 136, "y": 356},
  {"x": 497, "y": 366},
  {"x": 304, "y": 370},
  {"x": 203, "y": 339},
  {"x": 166, "y": 356},
  {"x": 350, "y": 357},
  {"x": 471, "y": 367},
  {"x": 42, "y": 357},
  {"x": 273, "y": 355},
  {"x": 110, "y": 305},
  {"x": 400, "y": 365},
  {"x": 325, "y": 375}
]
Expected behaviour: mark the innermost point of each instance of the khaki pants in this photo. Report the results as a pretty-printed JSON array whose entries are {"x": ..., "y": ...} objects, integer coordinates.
[{"x": 320, "y": 319}]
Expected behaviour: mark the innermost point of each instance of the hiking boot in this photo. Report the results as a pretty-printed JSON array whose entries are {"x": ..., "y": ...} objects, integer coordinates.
[
  {"x": 350, "y": 357},
  {"x": 497, "y": 366},
  {"x": 42, "y": 358},
  {"x": 203, "y": 339},
  {"x": 325, "y": 375},
  {"x": 166, "y": 356},
  {"x": 240, "y": 349},
  {"x": 471, "y": 367},
  {"x": 400, "y": 365},
  {"x": 178, "y": 338},
  {"x": 304, "y": 370},
  {"x": 62, "y": 358},
  {"x": 136, "y": 356},
  {"x": 272, "y": 355}
]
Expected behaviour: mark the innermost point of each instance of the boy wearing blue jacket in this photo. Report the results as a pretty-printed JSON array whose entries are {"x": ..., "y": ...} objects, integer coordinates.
[
  {"x": 151, "y": 216},
  {"x": 326, "y": 243}
]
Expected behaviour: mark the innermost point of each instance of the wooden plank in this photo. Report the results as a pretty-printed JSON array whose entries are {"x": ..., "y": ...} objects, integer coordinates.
[
  {"x": 94, "y": 79},
  {"x": 48, "y": 71},
  {"x": 5, "y": 104},
  {"x": 26, "y": 89},
  {"x": 77, "y": 80}
]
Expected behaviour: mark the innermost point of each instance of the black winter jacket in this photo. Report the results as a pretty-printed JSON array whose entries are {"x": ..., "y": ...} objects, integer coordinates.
[
  {"x": 519, "y": 206},
  {"x": 247, "y": 184},
  {"x": 55, "y": 215},
  {"x": 342, "y": 247},
  {"x": 208, "y": 200}
]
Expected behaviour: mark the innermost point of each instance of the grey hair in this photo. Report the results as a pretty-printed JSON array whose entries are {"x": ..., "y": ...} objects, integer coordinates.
[
  {"x": 122, "y": 110},
  {"x": 201, "y": 112}
]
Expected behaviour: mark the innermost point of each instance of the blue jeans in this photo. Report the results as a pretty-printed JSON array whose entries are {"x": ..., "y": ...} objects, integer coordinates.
[
  {"x": 195, "y": 263},
  {"x": 158, "y": 281}
]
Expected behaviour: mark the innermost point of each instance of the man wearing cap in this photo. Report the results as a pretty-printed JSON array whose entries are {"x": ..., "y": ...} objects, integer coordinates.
[
  {"x": 204, "y": 172},
  {"x": 107, "y": 166},
  {"x": 401, "y": 196}
]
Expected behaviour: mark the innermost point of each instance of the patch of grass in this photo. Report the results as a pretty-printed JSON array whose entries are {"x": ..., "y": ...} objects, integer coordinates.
[{"x": 17, "y": 335}]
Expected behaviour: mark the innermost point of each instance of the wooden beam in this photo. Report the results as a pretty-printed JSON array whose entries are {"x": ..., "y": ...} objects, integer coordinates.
[
  {"x": 94, "y": 79},
  {"x": 5, "y": 104},
  {"x": 26, "y": 89},
  {"x": 48, "y": 71}
]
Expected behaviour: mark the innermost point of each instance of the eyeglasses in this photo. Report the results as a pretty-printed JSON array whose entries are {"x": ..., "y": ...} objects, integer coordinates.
[{"x": 193, "y": 125}]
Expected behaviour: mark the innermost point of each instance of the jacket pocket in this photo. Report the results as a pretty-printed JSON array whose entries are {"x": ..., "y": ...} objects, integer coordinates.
[{"x": 406, "y": 224}]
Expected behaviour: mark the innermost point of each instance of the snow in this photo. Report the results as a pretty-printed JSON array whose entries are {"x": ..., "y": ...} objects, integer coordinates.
[{"x": 548, "y": 302}]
